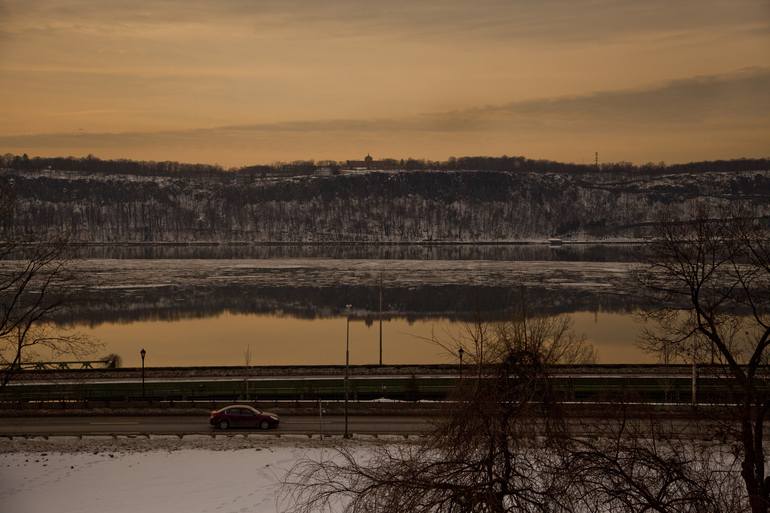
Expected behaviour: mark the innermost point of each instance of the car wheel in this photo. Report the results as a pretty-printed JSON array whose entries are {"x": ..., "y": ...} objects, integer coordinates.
[
  {"x": 264, "y": 424},
  {"x": 223, "y": 424}
]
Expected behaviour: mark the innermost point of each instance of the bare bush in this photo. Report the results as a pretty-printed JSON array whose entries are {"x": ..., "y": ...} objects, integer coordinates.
[
  {"x": 500, "y": 446},
  {"x": 640, "y": 465}
]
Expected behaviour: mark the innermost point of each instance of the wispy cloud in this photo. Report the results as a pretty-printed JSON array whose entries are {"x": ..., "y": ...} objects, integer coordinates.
[
  {"x": 548, "y": 19},
  {"x": 285, "y": 78},
  {"x": 705, "y": 109}
]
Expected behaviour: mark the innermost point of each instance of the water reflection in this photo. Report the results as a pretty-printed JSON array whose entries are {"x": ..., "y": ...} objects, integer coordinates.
[
  {"x": 453, "y": 302},
  {"x": 284, "y": 340},
  {"x": 136, "y": 290},
  {"x": 204, "y": 305}
]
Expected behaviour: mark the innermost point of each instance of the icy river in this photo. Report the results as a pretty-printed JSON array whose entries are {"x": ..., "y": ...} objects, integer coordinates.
[{"x": 232, "y": 305}]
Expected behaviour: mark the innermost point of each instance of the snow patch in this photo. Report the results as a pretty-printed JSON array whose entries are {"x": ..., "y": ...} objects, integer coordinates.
[{"x": 70, "y": 475}]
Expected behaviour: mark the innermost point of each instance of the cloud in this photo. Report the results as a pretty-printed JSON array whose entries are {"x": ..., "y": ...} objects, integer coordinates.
[
  {"x": 682, "y": 120},
  {"x": 212, "y": 62},
  {"x": 738, "y": 97},
  {"x": 548, "y": 20}
]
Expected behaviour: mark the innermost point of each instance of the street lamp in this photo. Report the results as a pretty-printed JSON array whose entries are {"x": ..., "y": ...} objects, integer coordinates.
[
  {"x": 347, "y": 365},
  {"x": 380, "y": 316},
  {"x": 142, "y": 353},
  {"x": 461, "y": 352}
]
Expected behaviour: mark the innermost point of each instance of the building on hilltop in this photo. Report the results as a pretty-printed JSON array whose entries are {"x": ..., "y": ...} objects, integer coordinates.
[{"x": 370, "y": 163}]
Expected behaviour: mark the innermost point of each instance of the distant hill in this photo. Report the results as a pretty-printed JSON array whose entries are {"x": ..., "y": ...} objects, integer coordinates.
[
  {"x": 207, "y": 204},
  {"x": 92, "y": 164}
]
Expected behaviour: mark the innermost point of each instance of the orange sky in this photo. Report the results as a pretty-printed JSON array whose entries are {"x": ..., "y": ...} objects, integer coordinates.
[{"x": 244, "y": 81}]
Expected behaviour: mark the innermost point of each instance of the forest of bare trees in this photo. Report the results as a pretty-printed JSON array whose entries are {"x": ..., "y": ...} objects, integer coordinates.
[{"x": 418, "y": 206}]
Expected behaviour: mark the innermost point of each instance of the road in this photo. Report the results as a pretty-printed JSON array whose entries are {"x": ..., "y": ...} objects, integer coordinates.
[
  {"x": 703, "y": 428},
  {"x": 179, "y": 425}
]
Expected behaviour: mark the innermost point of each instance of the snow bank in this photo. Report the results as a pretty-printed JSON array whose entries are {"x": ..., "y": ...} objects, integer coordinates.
[{"x": 163, "y": 475}]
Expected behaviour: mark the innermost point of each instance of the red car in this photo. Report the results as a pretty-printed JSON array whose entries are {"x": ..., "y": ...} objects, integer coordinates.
[{"x": 240, "y": 415}]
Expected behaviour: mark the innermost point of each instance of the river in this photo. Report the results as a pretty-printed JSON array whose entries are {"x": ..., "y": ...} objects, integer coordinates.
[{"x": 286, "y": 304}]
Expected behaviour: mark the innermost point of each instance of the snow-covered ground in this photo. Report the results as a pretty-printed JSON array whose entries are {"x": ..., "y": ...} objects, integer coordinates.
[{"x": 163, "y": 475}]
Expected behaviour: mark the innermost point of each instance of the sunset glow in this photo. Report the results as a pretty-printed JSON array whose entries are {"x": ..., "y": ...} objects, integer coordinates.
[{"x": 238, "y": 82}]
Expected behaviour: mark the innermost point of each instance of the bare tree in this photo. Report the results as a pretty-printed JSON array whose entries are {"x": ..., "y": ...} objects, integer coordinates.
[
  {"x": 34, "y": 279},
  {"x": 506, "y": 445},
  {"x": 500, "y": 446},
  {"x": 637, "y": 465},
  {"x": 711, "y": 278}
]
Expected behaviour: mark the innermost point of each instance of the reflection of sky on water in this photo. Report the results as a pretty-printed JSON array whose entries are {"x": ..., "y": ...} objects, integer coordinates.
[
  {"x": 276, "y": 340},
  {"x": 142, "y": 290},
  {"x": 207, "y": 305}
]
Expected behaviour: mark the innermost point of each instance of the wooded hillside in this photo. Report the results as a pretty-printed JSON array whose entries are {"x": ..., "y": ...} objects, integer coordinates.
[{"x": 393, "y": 206}]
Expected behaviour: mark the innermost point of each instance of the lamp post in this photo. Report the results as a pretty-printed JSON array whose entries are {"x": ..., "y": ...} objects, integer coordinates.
[
  {"x": 380, "y": 316},
  {"x": 460, "y": 353},
  {"x": 347, "y": 365},
  {"x": 142, "y": 353}
]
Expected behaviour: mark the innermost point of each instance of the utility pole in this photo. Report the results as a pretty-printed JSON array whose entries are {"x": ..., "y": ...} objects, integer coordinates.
[
  {"x": 247, "y": 361},
  {"x": 347, "y": 365},
  {"x": 142, "y": 353},
  {"x": 380, "y": 319},
  {"x": 597, "y": 160},
  {"x": 320, "y": 417},
  {"x": 694, "y": 393}
]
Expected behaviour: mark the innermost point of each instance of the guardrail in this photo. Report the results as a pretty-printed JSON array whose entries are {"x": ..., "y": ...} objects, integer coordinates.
[
  {"x": 214, "y": 435},
  {"x": 576, "y": 388},
  {"x": 67, "y": 365}
]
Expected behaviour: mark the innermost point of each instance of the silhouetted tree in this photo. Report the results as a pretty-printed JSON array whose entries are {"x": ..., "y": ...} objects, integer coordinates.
[
  {"x": 712, "y": 279},
  {"x": 33, "y": 282},
  {"x": 500, "y": 448}
]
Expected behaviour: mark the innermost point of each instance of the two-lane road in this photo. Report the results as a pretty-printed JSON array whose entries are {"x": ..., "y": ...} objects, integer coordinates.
[{"x": 179, "y": 425}]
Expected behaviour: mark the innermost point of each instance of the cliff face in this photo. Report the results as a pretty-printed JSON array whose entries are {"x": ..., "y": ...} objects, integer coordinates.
[{"x": 372, "y": 206}]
